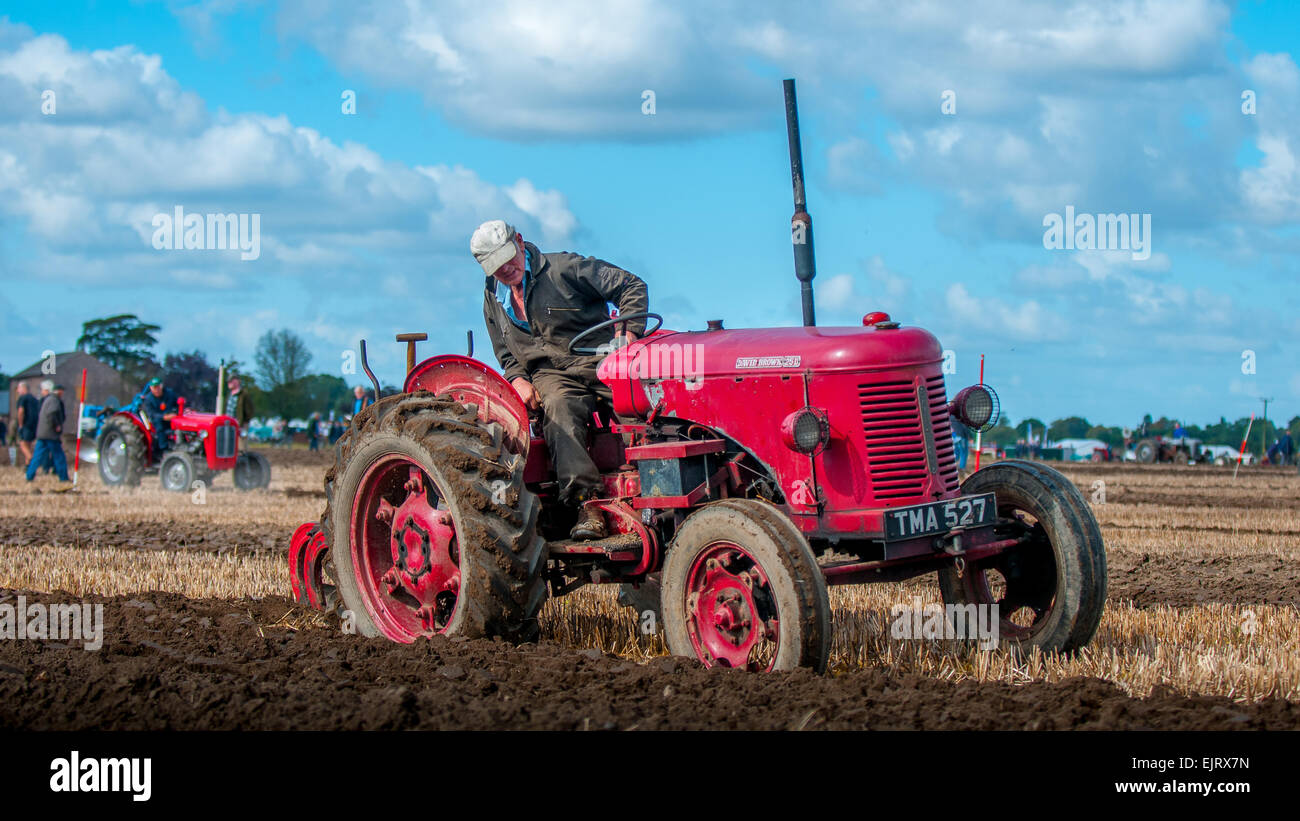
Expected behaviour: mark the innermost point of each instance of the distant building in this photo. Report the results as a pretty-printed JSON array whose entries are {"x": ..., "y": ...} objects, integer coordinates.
[{"x": 104, "y": 385}]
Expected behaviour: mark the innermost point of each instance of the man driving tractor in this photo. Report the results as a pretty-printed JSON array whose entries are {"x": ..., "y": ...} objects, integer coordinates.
[
  {"x": 159, "y": 405},
  {"x": 534, "y": 304}
]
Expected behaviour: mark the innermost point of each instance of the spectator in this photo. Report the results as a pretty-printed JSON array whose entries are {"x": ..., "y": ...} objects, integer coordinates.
[
  {"x": 363, "y": 397},
  {"x": 1285, "y": 447},
  {"x": 336, "y": 430},
  {"x": 313, "y": 432},
  {"x": 49, "y": 432},
  {"x": 238, "y": 405},
  {"x": 29, "y": 409},
  {"x": 961, "y": 448}
]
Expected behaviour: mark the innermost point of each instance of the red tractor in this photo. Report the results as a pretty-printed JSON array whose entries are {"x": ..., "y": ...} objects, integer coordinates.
[
  {"x": 745, "y": 470},
  {"x": 199, "y": 446}
]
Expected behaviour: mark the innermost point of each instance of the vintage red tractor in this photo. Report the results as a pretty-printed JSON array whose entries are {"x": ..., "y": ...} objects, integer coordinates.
[
  {"x": 745, "y": 470},
  {"x": 199, "y": 445}
]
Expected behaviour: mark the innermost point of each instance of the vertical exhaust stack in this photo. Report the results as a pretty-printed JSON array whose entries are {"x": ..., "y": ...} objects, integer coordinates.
[{"x": 801, "y": 233}]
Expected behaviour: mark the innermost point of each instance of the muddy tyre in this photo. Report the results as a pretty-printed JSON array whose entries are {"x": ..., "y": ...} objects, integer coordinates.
[
  {"x": 741, "y": 588},
  {"x": 1051, "y": 589},
  {"x": 121, "y": 447},
  {"x": 430, "y": 527},
  {"x": 177, "y": 471}
]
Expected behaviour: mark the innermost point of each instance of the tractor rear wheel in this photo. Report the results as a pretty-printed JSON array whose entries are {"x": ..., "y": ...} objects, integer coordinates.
[
  {"x": 252, "y": 471},
  {"x": 121, "y": 449},
  {"x": 177, "y": 471},
  {"x": 741, "y": 588},
  {"x": 430, "y": 527},
  {"x": 1051, "y": 588}
]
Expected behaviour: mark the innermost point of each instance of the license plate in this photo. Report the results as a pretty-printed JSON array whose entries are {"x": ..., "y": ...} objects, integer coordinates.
[{"x": 940, "y": 517}]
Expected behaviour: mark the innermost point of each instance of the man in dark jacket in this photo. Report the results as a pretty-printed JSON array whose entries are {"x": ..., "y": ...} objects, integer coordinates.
[
  {"x": 29, "y": 409},
  {"x": 238, "y": 404},
  {"x": 49, "y": 430},
  {"x": 159, "y": 405},
  {"x": 533, "y": 304}
]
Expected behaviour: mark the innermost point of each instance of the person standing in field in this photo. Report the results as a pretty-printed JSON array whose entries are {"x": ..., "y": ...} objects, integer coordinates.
[
  {"x": 238, "y": 404},
  {"x": 49, "y": 433},
  {"x": 29, "y": 408}
]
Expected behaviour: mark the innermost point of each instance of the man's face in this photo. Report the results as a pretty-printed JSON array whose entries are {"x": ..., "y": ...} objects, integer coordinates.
[
  {"x": 358, "y": 391},
  {"x": 156, "y": 390},
  {"x": 233, "y": 385},
  {"x": 22, "y": 388},
  {"x": 512, "y": 272}
]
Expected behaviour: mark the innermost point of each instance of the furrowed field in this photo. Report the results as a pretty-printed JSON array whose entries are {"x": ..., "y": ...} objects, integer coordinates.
[{"x": 1201, "y": 628}]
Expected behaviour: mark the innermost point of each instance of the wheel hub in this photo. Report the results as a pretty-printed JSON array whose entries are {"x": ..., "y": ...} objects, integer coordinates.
[
  {"x": 725, "y": 617},
  {"x": 115, "y": 454},
  {"x": 422, "y": 543}
]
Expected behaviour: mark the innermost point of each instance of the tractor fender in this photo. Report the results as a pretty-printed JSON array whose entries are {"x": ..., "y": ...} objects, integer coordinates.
[
  {"x": 470, "y": 381},
  {"x": 139, "y": 423}
]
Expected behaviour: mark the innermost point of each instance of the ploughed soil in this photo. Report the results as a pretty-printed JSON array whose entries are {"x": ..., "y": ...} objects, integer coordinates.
[
  {"x": 168, "y": 662},
  {"x": 1177, "y": 581},
  {"x": 169, "y": 534}
]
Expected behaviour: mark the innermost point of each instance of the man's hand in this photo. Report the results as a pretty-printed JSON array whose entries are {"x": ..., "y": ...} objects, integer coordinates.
[{"x": 526, "y": 392}]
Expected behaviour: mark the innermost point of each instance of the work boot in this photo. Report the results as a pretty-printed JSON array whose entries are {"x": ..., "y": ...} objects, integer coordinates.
[{"x": 591, "y": 525}]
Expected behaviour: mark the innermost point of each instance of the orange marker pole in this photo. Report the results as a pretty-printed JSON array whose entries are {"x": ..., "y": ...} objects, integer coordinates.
[
  {"x": 81, "y": 403},
  {"x": 979, "y": 434}
]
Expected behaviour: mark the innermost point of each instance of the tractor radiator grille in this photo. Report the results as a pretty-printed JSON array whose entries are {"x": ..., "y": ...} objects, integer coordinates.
[
  {"x": 227, "y": 435},
  {"x": 896, "y": 439}
]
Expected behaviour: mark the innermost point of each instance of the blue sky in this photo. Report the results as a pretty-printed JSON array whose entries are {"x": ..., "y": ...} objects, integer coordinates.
[{"x": 1109, "y": 107}]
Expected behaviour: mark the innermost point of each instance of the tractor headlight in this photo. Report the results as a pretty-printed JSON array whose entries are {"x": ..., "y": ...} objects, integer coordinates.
[
  {"x": 807, "y": 430},
  {"x": 976, "y": 407}
]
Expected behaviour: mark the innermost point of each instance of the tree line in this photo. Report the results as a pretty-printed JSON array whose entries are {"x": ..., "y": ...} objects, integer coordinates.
[{"x": 1222, "y": 432}]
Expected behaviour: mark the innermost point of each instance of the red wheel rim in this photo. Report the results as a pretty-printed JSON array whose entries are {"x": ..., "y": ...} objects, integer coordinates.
[
  {"x": 731, "y": 612},
  {"x": 404, "y": 551}
]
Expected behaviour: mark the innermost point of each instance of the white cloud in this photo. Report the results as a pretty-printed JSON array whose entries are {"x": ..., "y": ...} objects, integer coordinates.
[{"x": 1027, "y": 320}]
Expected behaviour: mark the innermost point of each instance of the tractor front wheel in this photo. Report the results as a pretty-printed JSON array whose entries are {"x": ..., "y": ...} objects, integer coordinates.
[
  {"x": 430, "y": 527},
  {"x": 741, "y": 588},
  {"x": 1049, "y": 590},
  {"x": 121, "y": 452},
  {"x": 177, "y": 471}
]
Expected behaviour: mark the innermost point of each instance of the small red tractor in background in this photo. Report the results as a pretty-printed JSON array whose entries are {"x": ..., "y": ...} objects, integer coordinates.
[
  {"x": 745, "y": 471},
  {"x": 199, "y": 446}
]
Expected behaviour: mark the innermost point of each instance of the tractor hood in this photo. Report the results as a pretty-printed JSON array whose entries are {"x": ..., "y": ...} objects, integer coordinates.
[
  {"x": 693, "y": 356},
  {"x": 749, "y": 350}
]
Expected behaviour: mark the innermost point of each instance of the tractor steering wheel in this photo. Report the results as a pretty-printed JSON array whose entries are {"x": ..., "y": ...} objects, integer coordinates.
[{"x": 618, "y": 320}]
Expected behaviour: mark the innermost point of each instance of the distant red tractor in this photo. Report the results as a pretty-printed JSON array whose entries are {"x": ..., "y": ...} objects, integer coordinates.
[
  {"x": 199, "y": 446},
  {"x": 745, "y": 470}
]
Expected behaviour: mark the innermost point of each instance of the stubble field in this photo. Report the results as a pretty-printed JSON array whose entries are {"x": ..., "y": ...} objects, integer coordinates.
[{"x": 1200, "y": 631}]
